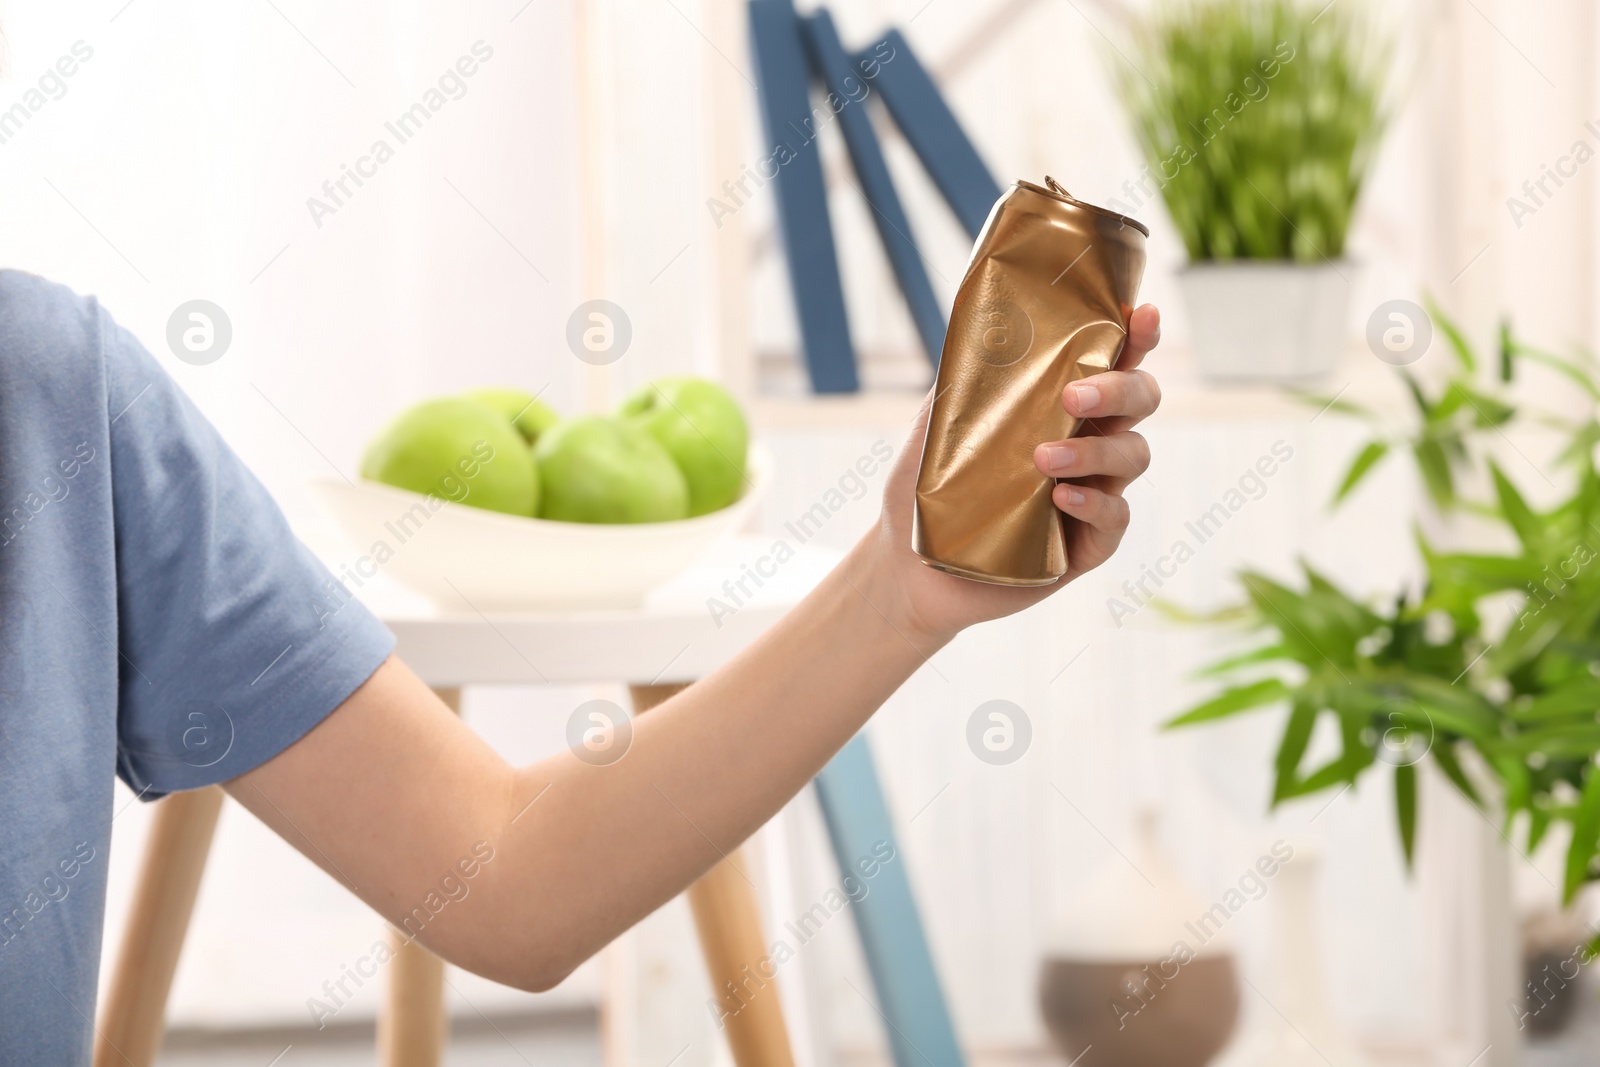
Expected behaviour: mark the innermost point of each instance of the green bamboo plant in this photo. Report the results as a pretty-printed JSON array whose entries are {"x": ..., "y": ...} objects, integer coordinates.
[
  {"x": 1490, "y": 666},
  {"x": 1258, "y": 119}
]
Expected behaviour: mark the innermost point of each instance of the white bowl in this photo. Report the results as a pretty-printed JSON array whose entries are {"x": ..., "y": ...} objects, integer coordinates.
[{"x": 469, "y": 559}]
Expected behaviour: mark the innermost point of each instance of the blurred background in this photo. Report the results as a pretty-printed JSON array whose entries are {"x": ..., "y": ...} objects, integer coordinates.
[{"x": 581, "y": 161}]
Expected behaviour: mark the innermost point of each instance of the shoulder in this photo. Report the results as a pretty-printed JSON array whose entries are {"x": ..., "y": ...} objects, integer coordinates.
[
  {"x": 36, "y": 313},
  {"x": 54, "y": 340},
  {"x": 49, "y": 335}
]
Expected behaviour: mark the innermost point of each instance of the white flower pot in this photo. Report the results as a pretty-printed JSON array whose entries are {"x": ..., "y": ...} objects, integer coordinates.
[{"x": 1266, "y": 320}]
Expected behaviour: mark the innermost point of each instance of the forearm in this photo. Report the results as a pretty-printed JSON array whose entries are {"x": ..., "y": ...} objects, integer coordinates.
[
  {"x": 604, "y": 846},
  {"x": 581, "y": 852}
]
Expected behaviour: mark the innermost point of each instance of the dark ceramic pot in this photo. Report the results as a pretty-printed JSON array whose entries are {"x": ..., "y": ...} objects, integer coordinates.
[
  {"x": 1133, "y": 1015},
  {"x": 1549, "y": 997}
]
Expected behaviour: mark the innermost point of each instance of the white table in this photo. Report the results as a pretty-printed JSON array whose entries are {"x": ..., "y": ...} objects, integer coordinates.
[{"x": 656, "y": 649}]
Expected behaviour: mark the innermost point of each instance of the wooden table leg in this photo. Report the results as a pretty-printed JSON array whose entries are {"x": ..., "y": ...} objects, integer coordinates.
[
  {"x": 742, "y": 977},
  {"x": 728, "y": 919},
  {"x": 412, "y": 1027},
  {"x": 132, "y": 1019}
]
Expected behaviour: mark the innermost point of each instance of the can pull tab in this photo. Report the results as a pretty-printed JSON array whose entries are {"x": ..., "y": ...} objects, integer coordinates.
[{"x": 1055, "y": 186}]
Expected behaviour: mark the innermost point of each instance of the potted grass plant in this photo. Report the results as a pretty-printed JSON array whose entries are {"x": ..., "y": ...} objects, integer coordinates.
[
  {"x": 1489, "y": 666},
  {"x": 1258, "y": 121}
]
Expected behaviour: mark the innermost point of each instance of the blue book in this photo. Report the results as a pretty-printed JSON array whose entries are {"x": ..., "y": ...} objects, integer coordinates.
[
  {"x": 791, "y": 132},
  {"x": 931, "y": 127},
  {"x": 844, "y": 80},
  {"x": 920, "y": 1032}
]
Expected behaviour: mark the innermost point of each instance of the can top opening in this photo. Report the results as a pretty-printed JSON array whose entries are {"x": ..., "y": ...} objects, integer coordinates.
[{"x": 1058, "y": 192}]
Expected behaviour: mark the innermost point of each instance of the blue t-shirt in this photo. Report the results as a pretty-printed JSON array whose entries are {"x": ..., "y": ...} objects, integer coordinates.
[{"x": 158, "y": 620}]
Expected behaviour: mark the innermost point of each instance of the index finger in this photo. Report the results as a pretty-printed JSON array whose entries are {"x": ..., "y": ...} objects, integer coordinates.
[{"x": 1144, "y": 333}]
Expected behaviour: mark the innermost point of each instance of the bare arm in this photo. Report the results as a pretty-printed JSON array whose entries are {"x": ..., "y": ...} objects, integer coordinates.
[{"x": 392, "y": 795}]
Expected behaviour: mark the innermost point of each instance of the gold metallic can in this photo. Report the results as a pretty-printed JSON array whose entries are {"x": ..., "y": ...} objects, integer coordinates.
[{"x": 1045, "y": 301}]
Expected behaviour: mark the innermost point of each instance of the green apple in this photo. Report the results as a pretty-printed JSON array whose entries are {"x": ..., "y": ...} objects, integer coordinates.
[
  {"x": 701, "y": 426},
  {"x": 460, "y": 450},
  {"x": 599, "y": 469},
  {"x": 523, "y": 410}
]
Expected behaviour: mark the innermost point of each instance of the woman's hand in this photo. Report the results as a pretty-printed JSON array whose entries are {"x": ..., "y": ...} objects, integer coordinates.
[{"x": 932, "y": 605}]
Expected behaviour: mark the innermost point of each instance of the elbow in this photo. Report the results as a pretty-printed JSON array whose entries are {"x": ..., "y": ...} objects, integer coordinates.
[
  {"x": 542, "y": 982},
  {"x": 531, "y": 964},
  {"x": 528, "y": 963},
  {"x": 532, "y": 976},
  {"x": 541, "y": 975}
]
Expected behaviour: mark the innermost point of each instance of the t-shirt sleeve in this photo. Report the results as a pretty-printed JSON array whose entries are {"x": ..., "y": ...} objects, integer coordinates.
[{"x": 234, "y": 640}]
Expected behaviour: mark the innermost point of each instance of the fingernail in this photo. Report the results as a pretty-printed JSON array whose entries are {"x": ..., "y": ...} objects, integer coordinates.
[
  {"x": 1087, "y": 396},
  {"x": 1074, "y": 496},
  {"x": 1060, "y": 457}
]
